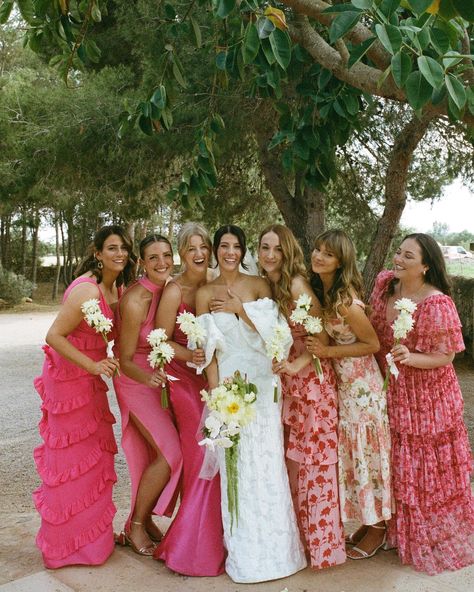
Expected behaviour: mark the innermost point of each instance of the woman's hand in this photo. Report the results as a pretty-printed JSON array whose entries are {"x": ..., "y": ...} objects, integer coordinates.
[
  {"x": 284, "y": 367},
  {"x": 198, "y": 357},
  {"x": 107, "y": 366},
  {"x": 157, "y": 378},
  {"x": 401, "y": 354},
  {"x": 232, "y": 304},
  {"x": 315, "y": 347}
]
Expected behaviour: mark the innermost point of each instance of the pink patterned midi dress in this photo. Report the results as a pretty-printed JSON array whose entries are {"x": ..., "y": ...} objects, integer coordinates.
[
  {"x": 310, "y": 414},
  {"x": 76, "y": 460},
  {"x": 433, "y": 527}
]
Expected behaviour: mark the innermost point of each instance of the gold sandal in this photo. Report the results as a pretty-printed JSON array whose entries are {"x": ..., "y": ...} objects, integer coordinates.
[{"x": 124, "y": 540}]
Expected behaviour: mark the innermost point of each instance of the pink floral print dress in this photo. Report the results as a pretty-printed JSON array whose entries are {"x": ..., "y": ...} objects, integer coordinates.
[{"x": 364, "y": 433}]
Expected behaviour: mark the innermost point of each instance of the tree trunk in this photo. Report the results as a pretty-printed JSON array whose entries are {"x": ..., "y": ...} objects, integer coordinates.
[
  {"x": 34, "y": 254},
  {"x": 24, "y": 234},
  {"x": 58, "y": 260},
  {"x": 5, "y": 240},
  {"x": 395, "y": 195}
]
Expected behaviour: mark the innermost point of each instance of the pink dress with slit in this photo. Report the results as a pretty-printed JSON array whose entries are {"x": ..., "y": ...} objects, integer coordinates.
[
  {"x": 193, "y": 545},
  {"x": 144, "y": 403},
  {"x": 310, "y": 414},
  {"x": 76, "y": 460},
  {"x": 433, "y": 526}
]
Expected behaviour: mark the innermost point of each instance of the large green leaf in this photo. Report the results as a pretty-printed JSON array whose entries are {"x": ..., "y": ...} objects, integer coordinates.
[
  {"x": 265, "y": 27},
  {"x": 27, "y": 10},
  {"x": 420, "y": 6},
  {"x": 268, "y": 51},
  {"x": 363, "y": 4},
  {"x": 339, "y": 8},
  {"x": 360, "y": 50},
  {"x": 439, "y": 40},
  {"x": 431, "y": 70},
  {"x": 159, "y": 97},
  {"x": 342, "y": 24},
  {"x": 390, "y": 37},
  {"x": 251, "y": 44},
  {"x": 418, "y": 90},
  {"x": 196, "y": 30},
  {"x": 224, "y": 7},
  {"x": 5, "y": 10},
  {"x": 281, "y": 46},
  {"x": 401, "y": 68},
  {"x": 388, "y": 7},
  {"x": 456, "y": 90},
  {"x": 451, "y": 59}
]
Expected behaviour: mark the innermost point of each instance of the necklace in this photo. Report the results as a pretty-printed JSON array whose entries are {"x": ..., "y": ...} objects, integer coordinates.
[{"x": 414, "y": 295}]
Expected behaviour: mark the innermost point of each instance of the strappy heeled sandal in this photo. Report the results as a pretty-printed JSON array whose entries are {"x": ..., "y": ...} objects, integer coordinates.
[
  {"x": 365, "y": 554},
  {"x": 351, "y": 539},
  {"x": 124, "y": 540}
]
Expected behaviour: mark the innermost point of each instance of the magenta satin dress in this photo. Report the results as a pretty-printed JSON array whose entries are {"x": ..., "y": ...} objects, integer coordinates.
[
  {"x": 76, "y": 461},
  {"x": 144, "y": 403},
  {"x": 193, "y": 545}
]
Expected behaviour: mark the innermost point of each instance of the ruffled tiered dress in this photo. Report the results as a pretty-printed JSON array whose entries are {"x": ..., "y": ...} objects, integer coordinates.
[
  {"x": 310, "y": 412},
  {"x": 144, "y": 403},
  {"x": 433, "y": 527},
  {"x": 193, "y": 545},
  {"x": 76, "y": 461},
  {"x": 364, "y": 433}
]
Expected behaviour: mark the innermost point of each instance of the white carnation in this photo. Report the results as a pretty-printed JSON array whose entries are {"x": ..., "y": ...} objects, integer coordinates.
[
  {"x": 304, "y": 302},
  {"x": 156, "y": 337},
  {"x": 299, "y": 316},
  {"x": 405, "y": 305},
  {"x": 402, "y": 325},
  {"x": 313, "y": 325}
]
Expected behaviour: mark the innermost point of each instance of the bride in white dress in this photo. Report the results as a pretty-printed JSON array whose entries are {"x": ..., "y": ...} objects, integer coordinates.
[{"x": 238, "y": 314}]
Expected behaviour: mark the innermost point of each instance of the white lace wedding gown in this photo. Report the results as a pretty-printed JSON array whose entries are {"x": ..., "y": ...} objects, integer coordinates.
[{"x": 265, "y": 543}]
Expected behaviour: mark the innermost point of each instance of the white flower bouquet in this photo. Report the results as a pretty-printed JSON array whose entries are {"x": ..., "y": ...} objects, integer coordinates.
[
  {"x": 401, "y": 326},
  {"x": 193, "y": 330},
  {"x": 276, "y": 347},
  {"x": 312, "y": 325},
  {"x": 95, "y": 318},
  {"x": 231, "y": 407},
  {"x": 161, "y": 353}
]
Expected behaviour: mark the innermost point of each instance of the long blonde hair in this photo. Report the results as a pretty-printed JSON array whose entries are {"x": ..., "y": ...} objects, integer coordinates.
[
  {"x": 292, "y": 266},
  {"x": 347, "y": 280}
]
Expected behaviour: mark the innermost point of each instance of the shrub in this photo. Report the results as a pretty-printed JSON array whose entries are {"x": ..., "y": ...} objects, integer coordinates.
[{"x": 13, "y": 287}]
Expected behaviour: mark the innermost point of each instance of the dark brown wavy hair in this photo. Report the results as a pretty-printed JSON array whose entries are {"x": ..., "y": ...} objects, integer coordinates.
[
  {"x": 431, "y": 256},
  {"x": 90, "y": 263}
]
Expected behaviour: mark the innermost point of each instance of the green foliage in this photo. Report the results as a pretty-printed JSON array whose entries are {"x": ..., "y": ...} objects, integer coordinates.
[{"x": 13, "y": 286}]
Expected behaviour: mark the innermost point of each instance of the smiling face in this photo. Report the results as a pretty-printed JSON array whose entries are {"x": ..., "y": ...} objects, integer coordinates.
[
  {"x": 114, "y": 254},
  {"x": 408, "y": 261},
  {"x": 229, "y": 252},
  {"x": 270, "y": 254},
  {"x": 196, "y": 255},
  {"x": 323, "y": 260},
  {"x": 158, "y": 262}
]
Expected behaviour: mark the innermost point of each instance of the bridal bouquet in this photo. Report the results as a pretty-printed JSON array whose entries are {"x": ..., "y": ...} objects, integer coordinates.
[
  {"x": 312, "y": 325},
  {"x": 231, "y": 407},
  {"x": 276, "y": 347},
  {"x": 161, "y": 353},
  {"x": 95, "y": 318},
  {"x": 401, "y": 326},
  {"x": 195, "y": 332}
]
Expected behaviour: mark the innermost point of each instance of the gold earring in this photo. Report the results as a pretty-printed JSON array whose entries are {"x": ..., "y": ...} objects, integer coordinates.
[{"x": 100, "y": 265}]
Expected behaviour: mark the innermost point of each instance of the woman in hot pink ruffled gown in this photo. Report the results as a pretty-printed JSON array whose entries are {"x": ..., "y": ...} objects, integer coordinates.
[
  {"x": 149, "y": 437},
  {"x": 193, "y": 545},
  {"x": 76, "y": 461},
  {"x": 309, "y": 407},
  {"x": 433, "y": 526}
]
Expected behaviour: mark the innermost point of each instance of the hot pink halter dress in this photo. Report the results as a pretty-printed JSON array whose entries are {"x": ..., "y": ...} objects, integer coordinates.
[
  {"x": 144, "y": 403},
  {"x": 76, "y": 461},
  {"x": 193, "y": 545}
]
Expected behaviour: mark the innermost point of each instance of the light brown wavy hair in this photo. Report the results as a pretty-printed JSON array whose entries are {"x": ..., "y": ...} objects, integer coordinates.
[
  {"x": 347, "y": 281},
  {"x": 292, "y": 266}
]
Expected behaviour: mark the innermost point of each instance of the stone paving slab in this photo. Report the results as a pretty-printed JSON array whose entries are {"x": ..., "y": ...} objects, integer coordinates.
[{"x": 38, "y": 582}]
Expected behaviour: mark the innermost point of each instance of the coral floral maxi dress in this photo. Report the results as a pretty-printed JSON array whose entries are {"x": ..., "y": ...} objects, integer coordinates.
[
  {"x": 433, "y": 527},
  {"x": 310, "y": 419},
  {"x": 76, "y": 461}
]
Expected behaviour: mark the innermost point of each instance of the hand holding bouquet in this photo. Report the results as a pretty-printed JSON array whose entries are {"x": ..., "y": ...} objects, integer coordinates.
[
  {"x": 231, "y": 407},
  {"x": 312, "y": 325},
  {"x": 401, "y": 326},
  {"x": 161, "y": 353},
  {"x": 95, "y": 318}
]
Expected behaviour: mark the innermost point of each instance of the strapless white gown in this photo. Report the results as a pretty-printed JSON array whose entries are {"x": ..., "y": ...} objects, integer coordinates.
[{"x": 265, "y": 543}]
